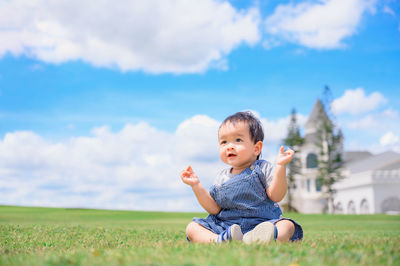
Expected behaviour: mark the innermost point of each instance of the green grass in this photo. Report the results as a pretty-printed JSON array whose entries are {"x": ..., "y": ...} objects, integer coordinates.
[{"x": 49, "y": 236}]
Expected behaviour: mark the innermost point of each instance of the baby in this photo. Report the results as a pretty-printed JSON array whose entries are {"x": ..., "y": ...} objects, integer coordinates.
[{"x": 242, "y": 203}]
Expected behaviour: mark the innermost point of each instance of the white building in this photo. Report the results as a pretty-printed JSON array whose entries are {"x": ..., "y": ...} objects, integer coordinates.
[{"x": 371, "y": 183}]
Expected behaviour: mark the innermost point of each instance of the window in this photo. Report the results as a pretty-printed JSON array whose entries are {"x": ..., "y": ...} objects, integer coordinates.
[
  {"x": 318, "y": 184},
  {"x": 312, "y": 160},
  {"x": 351, "y": 208},
  {"x": 339, "y": 208},
  {"x": 308, "y": 185},
  {"x": 364, "y": 207}
]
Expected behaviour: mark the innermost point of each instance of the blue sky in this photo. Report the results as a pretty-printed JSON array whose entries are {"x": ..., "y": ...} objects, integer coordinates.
[{"x": 78, "y": 80}]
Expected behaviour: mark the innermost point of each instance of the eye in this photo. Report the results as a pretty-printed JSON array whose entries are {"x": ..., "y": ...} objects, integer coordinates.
[
  {"x": 222, "y": 142},
  {"x": 239, "y": 140}
]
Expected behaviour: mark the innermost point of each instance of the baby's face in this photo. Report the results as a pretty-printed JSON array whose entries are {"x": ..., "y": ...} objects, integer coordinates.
[{"x": 236, "y": 147}]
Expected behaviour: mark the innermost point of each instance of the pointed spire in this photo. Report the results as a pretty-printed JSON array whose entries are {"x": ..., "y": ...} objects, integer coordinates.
[{"x": 318, "y": 112}]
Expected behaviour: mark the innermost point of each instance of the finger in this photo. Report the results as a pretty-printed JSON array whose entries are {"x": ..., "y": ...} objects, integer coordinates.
[
  {"x": 289, "y": 156},
  {"x": 281, "y": 149},
  {"x": 185, "y": 174},
  {"x": 183, "y": 177},
  {"x": 288, "y": 153},
  {"x": 288, "y": 150},
  {"x": 189, "y": 169}
]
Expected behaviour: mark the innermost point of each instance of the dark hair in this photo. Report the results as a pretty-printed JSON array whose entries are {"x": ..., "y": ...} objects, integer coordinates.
[{"x": 255, "y": 128}]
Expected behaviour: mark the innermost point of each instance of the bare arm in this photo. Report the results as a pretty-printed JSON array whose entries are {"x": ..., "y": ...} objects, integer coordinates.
[
  {"x": 278, "y": 187},
  {"x": 205, "y": 199},
  {"x": 202, "y": 195}
]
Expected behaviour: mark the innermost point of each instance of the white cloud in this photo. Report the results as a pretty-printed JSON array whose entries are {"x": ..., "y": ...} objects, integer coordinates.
[
  {"x": 318, "y": 24},
  {"x": 274, "y": 133},
  {"x": 388, "y": 10},
  {"x": 375, "y": 131},
  {"x": 389, "y": 139},
  {"x": 198, "y": 139},
  {"x": 136, "y": 167},
  {"x": 374, "y": 122},
  {"x": 156, "y": 36},
  {"x": 270, "y": 44},
  {"x": 366, "y": 122},
  {"x": 276, "y": 130},
  {"x": 356, "y": 102},
  {"x": 390, "y": 113}
]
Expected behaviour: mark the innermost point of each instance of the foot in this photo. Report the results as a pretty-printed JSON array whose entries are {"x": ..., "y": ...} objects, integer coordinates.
[
  {"x": 233, "y": 233},
  {"x": 263, "y": 233}
]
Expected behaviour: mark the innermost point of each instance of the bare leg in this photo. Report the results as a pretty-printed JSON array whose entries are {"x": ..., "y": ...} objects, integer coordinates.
[
  {"x": 285, "y": 230},
  {"x": 199, "y": 234}
]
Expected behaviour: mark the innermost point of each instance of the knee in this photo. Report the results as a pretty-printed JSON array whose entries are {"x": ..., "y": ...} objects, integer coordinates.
[
  {"x": 285, "y": 230},
  {"x": 290, "y": 228},
  {"x": 190, "y": 228}
]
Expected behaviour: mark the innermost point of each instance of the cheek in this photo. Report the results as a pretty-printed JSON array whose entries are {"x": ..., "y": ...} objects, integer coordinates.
[
  {"x": 240, "y": 148},
  {"x": 244, "y": 150},
  {"x": 222, "y": 155}
]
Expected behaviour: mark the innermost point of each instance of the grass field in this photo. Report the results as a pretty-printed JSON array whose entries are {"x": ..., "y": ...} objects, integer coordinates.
[{"x": 47, "y": 236}]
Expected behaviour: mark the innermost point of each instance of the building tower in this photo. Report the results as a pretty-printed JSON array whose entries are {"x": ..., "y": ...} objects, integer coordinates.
[{"x": 308, "y": 196}]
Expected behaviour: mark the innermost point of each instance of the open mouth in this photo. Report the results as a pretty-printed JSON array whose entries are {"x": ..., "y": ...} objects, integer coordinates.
[{"x": 230, "y": 155}]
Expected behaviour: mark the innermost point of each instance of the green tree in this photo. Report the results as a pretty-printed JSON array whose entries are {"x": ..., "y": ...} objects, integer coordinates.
[
  {"x": 295, "y": 141},
  {"x": 330, "y": 144}
]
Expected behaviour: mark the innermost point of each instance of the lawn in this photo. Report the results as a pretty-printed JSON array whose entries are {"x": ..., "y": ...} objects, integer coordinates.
[{"x": 51, "y": 236}]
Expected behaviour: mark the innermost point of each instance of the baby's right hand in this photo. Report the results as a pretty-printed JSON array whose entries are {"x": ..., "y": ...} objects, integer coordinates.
[{"x": 189, "y": 177}]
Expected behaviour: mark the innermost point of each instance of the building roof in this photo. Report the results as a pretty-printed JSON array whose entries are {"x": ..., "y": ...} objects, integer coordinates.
[
  {"x": 353, "y": 156},
  {"x": 388, "y": 160},
  {"x": 318, "y": 112}
]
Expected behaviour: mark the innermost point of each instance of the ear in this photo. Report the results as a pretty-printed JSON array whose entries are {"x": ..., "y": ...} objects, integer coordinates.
[{"x": 258, "y": 147}]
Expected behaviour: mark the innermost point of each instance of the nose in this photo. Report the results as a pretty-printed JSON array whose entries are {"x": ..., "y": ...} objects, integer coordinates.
[{"x": 230, "y": 146}]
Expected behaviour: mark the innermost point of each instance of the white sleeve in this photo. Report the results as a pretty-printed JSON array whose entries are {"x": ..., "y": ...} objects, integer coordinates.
[
  {"x": 222, "y": 177},
  {"x": 268, "y": 170}
]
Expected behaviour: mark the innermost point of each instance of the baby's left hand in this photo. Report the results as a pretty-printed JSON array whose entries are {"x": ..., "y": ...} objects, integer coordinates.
[{"x": 284, "y": 157}]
